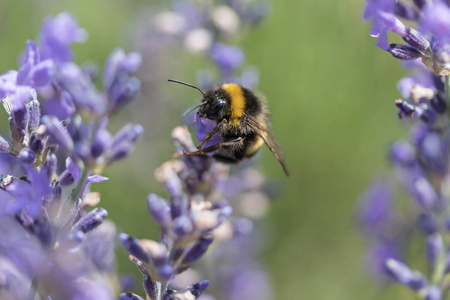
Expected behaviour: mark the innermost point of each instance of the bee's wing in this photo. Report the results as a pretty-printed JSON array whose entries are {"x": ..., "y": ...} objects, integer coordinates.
[{"x": 270, "y": 141}]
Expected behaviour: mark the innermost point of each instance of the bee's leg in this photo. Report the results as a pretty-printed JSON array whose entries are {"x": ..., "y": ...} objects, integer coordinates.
[
  {"x": 213, "y": 148},
  {"x": 211, "y": 133}
]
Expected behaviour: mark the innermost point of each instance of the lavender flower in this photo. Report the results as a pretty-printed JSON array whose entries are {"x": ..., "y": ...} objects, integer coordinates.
[
  {"x": 208, "y": 30},
  {"x": 421, "y": 164},
  {"x": 57, "y": 35},
  {"x": 195, "y": 218},
  {"x": 185, "y": 224},
  {"x": 52, "y": 243},
  {"x": 429, "y": 42},
  {"x": 55, "y": 241}
]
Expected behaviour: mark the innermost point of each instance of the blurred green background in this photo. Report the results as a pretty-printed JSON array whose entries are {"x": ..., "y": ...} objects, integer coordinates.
[{"x": 331, "y": 92}]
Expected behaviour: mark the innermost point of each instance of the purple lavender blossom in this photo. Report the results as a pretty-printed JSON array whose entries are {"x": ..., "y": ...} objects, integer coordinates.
[
  {"x": 436, "y": 20},
  {"x": 227, "y": 58},
  {"x": 33, "y": 73},
  {"x": 48, "y": 212},
  {"x": 377, "y": 211},
  {"x": 429, "y": 41},
  {"x": 208, "y": 29},
  {"x": 53, "y": 245},
  {"x": 420, "y": 165},
  {"x": 188, "y": 228},
  {"x": 56, "y": 36}
]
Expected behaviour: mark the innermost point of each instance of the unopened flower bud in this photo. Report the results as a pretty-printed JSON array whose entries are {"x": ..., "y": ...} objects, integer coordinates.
[
  {"x": 134, "y": 247},
  {"x": 403, "y": 52},
  {"x": 416, "y": 40},
  {"x": 197, "y": 250},
  {"x": 91, "y": 220}
]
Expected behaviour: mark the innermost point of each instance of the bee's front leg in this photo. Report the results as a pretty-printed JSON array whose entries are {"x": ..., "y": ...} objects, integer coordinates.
[
  {"x": 212, "y": 148},
  {"x": 212, "y": 133}
]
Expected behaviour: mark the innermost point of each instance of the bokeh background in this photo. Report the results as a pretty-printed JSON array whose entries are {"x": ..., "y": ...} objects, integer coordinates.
[{"x": 331, "y": 92}]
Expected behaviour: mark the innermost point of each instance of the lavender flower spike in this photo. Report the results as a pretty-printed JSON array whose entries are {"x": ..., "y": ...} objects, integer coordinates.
[{"x": 117, "y": 83}]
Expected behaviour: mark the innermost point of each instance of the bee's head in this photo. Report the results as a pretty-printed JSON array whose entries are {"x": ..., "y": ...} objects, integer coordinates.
[{"x": 214, "y": 105}]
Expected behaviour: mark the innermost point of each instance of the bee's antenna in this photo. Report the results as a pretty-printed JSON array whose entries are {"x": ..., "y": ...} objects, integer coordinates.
[
  {"x": 191, "y": 109},
  {"x": 187, "y": 84}
]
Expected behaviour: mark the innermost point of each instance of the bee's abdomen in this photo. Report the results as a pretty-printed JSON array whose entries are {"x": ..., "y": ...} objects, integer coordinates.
[{"x": 253, "y": 145}]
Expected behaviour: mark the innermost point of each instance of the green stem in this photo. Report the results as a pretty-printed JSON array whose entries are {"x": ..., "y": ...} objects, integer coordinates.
[
  {"x": 164, "y": 286},
  {"x": 33, "y": 288},
  {"x": 439, "y": 269},
  {"x": 447, "y": 91},
  {"x": 80, "y": 185},
  {"x": 75, "y": 193}
]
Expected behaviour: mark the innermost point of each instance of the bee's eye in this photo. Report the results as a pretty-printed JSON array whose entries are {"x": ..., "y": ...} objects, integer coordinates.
[{"x": 216, "y": 108}]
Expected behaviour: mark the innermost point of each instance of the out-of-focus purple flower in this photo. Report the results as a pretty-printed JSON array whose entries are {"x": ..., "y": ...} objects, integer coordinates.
[
  {"x": 227, "y": 58},
  {"x": 431, "y": 149},
  {"x": 375, "y": 6},
  {"x": 436, "y": 20},
  {"x": 377, "y": 210},
  {"x": 58, "y": 132},
  {"x": 435, "y": 248},
  {"x": 99, "y": 247},
  {"x": 429, "y": 223},
  {"x": 58, "y": 34},
  {"x": 249, "y": 284},
  {"x": 433, "y": 293},
  {"x": 424, "y": 193},
  {"x": 80, "y": 88},
  {"x": 403, "y": 153},
  {"x": 8, "y": 83},
  {"x": 159, "y": 209},
  {"x": 379, "y": 252},
  {"x": 28, "y": 193},
  {"x": 402, "y": 273},
  {"x": 34, "y": 72},
  {"x": 117, "y": 82}
]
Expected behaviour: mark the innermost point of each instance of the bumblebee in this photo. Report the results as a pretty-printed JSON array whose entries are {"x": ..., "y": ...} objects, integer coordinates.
[{"x": 240, "y": 122}]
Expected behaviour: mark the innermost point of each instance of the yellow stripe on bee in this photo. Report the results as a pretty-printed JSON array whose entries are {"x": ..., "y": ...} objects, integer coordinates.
[{"x": 237, "y": 102}]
